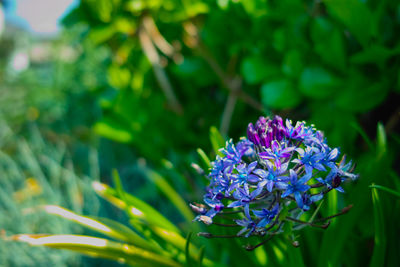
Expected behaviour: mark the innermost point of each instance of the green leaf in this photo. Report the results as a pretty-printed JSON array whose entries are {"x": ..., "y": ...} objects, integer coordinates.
[
  {"x": 217, "y": 141},
  {"x": 261, "y": 256},
  {"x": 119, "y": 77},
  {"x": 111, "y": 128},
  {"x": 361, "y": 95},
  {"x": 280, "y": 94},
  {"x": 101, "y": 34},
  {"x": 179, "y": 242},
  {"x": 292, "y": 63},
  {"x": 196, "y": 8},
  {"x": 355, "y": 15},
  {"x": 363, "y": 134},
  {"x": 187, "y": 250},
  {"x": 383, "y": 188},
  {"x": 316, "y": 82},
  {"x": 171, "y": 194},
  {"x": 201, "y": 256},
  {"x": 378, "y": 255},
  {"x": 255, "y": 69},
  {"x": 99, "y": 247},
  {"x": 381, "y": 144},
  {"x": 376, "y": 54},
  {"x": 328, "y": 43},
  {"x": 204, "y": 157}
]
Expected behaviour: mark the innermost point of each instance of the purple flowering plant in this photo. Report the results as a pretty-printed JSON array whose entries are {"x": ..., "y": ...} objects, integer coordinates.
[{"x": 271, "y": 177}]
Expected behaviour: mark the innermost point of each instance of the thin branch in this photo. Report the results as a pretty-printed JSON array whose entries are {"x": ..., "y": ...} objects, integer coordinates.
[
  {"x": 159, "y": 40},
  {"x": 162, "y": 78},
  {"x": 324, "y": 226},
  {"x": 225, "y": 225},
  {"x": 210, "y": 235},
  {"x": 228, "y": 112},
  {"x": 253, "y": 247},
  {"x": 343, "y": 211}
]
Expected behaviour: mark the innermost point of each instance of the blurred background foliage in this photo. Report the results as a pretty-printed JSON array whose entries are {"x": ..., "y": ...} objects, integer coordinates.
[{"x": 133, "y": 84}]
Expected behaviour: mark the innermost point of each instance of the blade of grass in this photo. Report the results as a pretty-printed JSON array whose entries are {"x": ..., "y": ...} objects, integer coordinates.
[
  {"x": 381, "y": 143},
  {"x": 378, "y": 255},
  {"x": 104, "y": 226},
  {"x": 171, "y": 194},
  {"x": 179, "y": 242},
  {"x": 217, "y": 141},
  {"x": 137, "y": 208},
  {"x": 201, "y": 256},
  {"x": 383, "y": 188},
  {"x": 187, "y": 250},
  {"x": 204, "y": 157},
  {"x": 363, "y": 134}
]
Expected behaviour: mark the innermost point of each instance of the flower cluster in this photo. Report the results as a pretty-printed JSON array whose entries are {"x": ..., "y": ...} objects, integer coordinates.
[{"x": 279, "y": 166}]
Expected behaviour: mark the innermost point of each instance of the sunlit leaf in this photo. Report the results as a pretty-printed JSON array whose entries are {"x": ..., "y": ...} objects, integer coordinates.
[
  {"x": 104, "y": 226},
  {"x": 137, "y": 208},
  {"x": 99, "y": 247},
  {"x": 112, "y": 129}
]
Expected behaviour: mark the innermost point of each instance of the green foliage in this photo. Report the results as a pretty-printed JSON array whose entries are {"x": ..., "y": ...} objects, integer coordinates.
[{"x": 34, "y": 173}]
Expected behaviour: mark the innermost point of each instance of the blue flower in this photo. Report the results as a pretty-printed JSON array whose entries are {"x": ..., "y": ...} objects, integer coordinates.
[
  {"x": 311, "y": 158},
  {"x": 244, "y": 176},
  {"x": 296, "y": 187},
  {"x": 248, "y": 224},
  {"x": 244, "y": 198},
  {"x": 232, "y": 155},
  {"x": 295, "y": 132},
  {"x": 266, "y": 216},
  {"x": 310, "y": 199},
  {"x": 272, "y": 177}
]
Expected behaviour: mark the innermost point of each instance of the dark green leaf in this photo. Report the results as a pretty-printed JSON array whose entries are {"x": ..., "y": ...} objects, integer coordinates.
[
  {"x": 280, "y": 94},
  {"x": 361, "y": 95},
  {"x": 378, "y": 255},
  {"x": 355, "y": 15},
  {"x": 292, "y": 63},
  {"x": 329, "y": 43},
  {"x": 316, "y": 82},
  {"x": 256, "y": 69}
]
